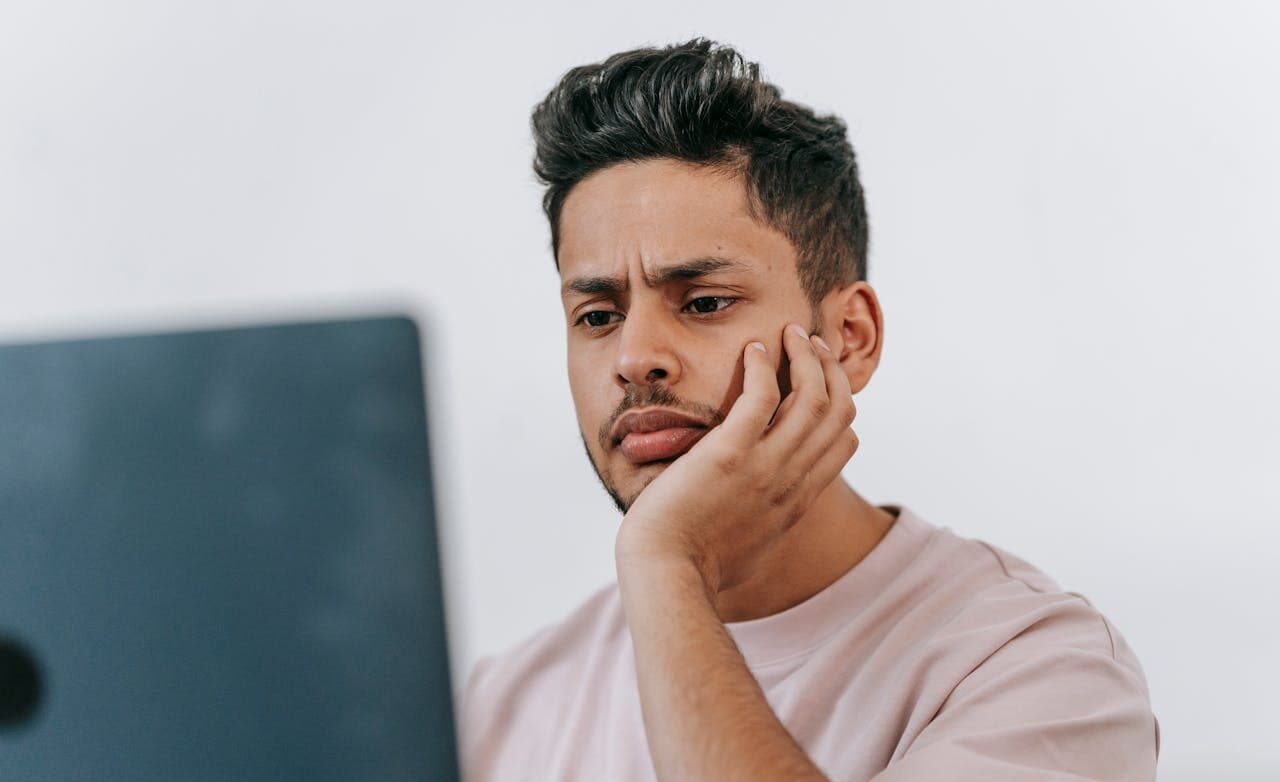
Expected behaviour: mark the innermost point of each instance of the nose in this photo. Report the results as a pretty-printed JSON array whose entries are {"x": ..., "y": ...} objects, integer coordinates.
[{"x": 646, "y": 350}]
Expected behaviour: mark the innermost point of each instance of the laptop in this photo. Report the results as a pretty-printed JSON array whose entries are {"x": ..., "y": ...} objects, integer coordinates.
[{"x": 218, "y": 558}]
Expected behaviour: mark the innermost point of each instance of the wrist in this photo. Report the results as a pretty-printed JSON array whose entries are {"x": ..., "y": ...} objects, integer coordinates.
[{"x": 638, "y": 552}]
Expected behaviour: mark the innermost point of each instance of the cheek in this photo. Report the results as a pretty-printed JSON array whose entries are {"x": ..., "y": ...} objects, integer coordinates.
[
  {"x": 590, "y": 392},
  {"x": 580, "y": 366},
  {"x": 732, "y": 379},
  {"x": 720, "y": 379}
]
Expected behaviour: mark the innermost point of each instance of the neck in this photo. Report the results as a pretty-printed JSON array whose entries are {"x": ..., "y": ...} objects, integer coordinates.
[{"x": 838, "y": 530}]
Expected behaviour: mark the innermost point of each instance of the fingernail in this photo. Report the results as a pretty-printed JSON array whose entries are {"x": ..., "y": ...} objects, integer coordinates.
[
  {"x": 821, "y": 343},
  {"x": 759, "y": 346},
  {"x": 800, "y": 331}
]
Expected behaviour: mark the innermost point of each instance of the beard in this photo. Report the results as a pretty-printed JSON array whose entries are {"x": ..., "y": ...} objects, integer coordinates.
[
  {"x": 641, "y": 396},
  {"x": 621, "y": 503}
]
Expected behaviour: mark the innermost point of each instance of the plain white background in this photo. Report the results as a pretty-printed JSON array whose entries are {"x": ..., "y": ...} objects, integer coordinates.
[{"x": 1073, "y": 213}]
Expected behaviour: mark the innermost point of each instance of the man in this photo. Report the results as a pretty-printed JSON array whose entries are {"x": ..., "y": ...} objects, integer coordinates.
[{"x": 767, "y": 622}]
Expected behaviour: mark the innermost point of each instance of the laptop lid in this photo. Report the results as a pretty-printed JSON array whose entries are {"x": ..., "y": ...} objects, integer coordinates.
[{"x": 218, "y": 558}]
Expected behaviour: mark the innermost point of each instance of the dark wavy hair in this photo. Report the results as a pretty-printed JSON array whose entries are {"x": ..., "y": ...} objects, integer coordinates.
[{"x": 703, "y": 103}]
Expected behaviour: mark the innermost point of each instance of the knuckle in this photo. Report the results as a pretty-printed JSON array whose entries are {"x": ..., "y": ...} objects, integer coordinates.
[
  {"x": 791, "y": 518},
  {"x": 771, "y": 394},
  {"x": 847, "y": 414},
  {"x": 819, "y": 407},
  {"x": 784, "y": 490},
  {"x": 729, "y": 460}
]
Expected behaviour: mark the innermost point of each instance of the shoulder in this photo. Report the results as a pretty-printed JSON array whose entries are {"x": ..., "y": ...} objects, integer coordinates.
[
  {"x": 1001, "y": 599},
  {"x": 963, "y": 608},
  {"x": 1004, "y": 638},
  {"x": 1014, "y": 668},
  {"x": 966, "y": 587},
  {"x": 544, "y": 669}
]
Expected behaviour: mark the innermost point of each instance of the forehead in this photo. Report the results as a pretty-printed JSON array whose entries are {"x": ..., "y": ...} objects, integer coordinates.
[{"x": 663, "y": 211}]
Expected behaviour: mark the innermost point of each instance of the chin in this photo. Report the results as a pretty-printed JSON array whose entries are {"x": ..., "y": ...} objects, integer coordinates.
[
  {"x": 634, "y": 478},
  {"x": 642, "y": 475},
  {"x": 647, "y": 471}
]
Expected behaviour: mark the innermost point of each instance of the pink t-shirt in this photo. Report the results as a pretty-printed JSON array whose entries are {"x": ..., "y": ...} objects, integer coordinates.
[{"x": 936, "y": 657}]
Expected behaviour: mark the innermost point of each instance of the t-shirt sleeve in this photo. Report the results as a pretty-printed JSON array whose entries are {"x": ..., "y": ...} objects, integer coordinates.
[
  {"x": 1063, "y": 699},
  {"x": 471, "y": 718}
]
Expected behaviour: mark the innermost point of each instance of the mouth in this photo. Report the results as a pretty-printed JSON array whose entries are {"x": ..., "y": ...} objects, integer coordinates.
[
  {"x": 661, "y": 444},
  {"x": 656, "y": 435}
]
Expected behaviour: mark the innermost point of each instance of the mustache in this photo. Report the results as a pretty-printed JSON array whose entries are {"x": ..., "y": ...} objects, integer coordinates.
[{"x": 656, "y": 396}]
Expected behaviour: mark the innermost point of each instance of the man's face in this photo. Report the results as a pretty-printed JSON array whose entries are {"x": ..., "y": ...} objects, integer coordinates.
[{"x": 665, "y": 280}]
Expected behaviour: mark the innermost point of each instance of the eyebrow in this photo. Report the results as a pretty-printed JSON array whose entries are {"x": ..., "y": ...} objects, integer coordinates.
[{"x": 684, "y": 270}]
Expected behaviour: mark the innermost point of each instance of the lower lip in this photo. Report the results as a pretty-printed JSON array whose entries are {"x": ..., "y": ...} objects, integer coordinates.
[{"x": 641, "y": 447}]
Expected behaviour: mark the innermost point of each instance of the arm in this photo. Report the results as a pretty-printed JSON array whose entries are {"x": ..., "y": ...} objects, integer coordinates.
[{"x": 704, "y": 713}]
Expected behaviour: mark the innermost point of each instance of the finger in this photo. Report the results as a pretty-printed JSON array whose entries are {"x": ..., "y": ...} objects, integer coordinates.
[
  {"x": 837, "y": 381},
  {"x": 832, "y": 460},
  {"x": 839, "y": 391},
  {"x": 818, "y": 473},
  {"x": 752, "y": 410},
  {"x": 840, "y": 395},
  {"x": 808, "y": 404},
  {"x": 806, "y": 369}
]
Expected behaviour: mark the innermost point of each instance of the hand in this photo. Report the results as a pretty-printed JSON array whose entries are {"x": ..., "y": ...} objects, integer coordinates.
[{"x": 738, "y": 489}]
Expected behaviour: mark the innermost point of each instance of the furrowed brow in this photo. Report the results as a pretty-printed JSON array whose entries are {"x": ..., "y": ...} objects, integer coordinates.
[
  {"x": 591, "y": 286},
  {"x": 692, "y": 269},
  {"x": 684, "y": 270}
]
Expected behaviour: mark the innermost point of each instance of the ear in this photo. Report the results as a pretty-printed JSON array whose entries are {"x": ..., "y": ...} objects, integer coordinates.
[{"x": 853, "y": 325}]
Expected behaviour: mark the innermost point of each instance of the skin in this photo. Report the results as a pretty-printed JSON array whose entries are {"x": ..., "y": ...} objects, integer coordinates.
[{"x": 754, "y": 518}]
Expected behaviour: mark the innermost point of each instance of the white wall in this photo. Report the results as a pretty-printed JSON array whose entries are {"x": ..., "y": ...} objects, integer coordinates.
[{"x": 1073, "y": 216}]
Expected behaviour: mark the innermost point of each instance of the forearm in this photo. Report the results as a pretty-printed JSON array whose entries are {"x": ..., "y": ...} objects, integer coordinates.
[{"x": 704, "y": 714}]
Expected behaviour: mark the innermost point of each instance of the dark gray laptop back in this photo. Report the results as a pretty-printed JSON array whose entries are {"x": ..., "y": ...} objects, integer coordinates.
[{"x": 218, "y": 559}]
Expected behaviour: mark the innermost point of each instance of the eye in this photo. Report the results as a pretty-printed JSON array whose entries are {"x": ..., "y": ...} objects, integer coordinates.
[
  {"x": 597, "y": 318},
  {"x": 706, "y": 305}
]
